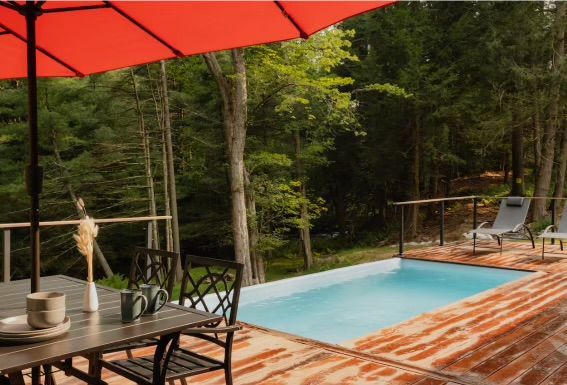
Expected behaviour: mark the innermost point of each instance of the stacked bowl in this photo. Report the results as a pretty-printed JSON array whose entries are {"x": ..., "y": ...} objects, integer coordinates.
[
  {"x": 45, "y": 319},
  {"x": 45, "y": 309}
]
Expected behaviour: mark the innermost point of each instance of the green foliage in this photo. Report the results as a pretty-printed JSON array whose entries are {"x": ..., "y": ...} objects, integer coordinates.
[
  {"x": 117, "y": 281},
  {"x": 340, "y": 123},
  {"x": 388, "y": 89}
]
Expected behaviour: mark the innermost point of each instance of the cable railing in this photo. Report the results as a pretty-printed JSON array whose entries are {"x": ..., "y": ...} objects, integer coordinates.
[
  {"x": 7, "y": 228},
  {"x": 441, "y": 221}
]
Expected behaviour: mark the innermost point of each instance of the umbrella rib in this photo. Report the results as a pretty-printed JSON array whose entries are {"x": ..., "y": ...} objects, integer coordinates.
[
  {"x": 11, "y": 6},
  {"x": 44, "y": 51},
  {"x": 175, "y": 51},
  {"x": 302, "y": 33},
  {"x": 77, "y": 8}
]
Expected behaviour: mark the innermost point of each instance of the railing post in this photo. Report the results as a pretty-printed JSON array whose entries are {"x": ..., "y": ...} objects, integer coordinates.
[
  {"x": 401, "y": 246},
  {"x": 7, "y": 257},
  {"x": 441, "y": 223},
  {"x": 474, "y": 214},
  {"x": 553, "y": 214},
  {"x": 149, "y": 236},
  {"x": 149, "y": 246}
]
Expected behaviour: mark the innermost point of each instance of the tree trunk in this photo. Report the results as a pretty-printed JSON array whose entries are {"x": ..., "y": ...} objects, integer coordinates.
[
  {"x": 562, "y": 166},
  {"x": 517, "y": 160},
  {"x": 506, "y": 168},
  {"x": 416, "y": 176},
  {"x": 305, "y": 230},
  {"x": 147, "y": 162},
  {"x": 256, "y": 259},
  {"x": 340, "y": 207},
  {"x": 170, "y": 163},
  {"x": 548, "y": 149},
  {"x": 168, "y": 227},
  {"x": 536, "y": 137},
  {"x": 67, "y": 182},
  {"x": 165, "y": 170},
  {"x": 234, "y": 94}
]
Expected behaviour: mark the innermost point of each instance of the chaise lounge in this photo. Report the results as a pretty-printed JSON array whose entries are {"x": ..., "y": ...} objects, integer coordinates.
[
  {"x": 555, "y": 232},
  {"x": 510, "y": 220}
]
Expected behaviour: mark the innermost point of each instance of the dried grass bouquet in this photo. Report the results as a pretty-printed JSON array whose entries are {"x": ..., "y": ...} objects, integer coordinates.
[{"x": 86, "y": 234}]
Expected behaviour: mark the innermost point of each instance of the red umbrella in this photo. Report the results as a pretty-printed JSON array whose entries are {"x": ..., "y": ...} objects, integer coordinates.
[{"x": 79, "y": 38}]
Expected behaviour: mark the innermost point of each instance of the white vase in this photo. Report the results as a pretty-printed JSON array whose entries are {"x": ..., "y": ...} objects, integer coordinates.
[{"x": 90, "y": 299}]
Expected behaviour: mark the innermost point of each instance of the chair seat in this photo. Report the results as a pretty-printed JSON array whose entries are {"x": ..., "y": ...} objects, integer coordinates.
[
  {"x": 183, "y": 363},
  {"x": 132, "y": 345},
  {"x": 554, "y": 235},
  {"x": 492, "y": 231}
]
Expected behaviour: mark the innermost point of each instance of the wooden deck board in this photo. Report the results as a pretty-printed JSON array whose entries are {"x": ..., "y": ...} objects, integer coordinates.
[{"x": 514, "y": 334}]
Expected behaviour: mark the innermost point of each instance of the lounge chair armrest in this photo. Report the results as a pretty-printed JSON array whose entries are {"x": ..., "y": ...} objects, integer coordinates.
[
  {"x": 549, "y": 228},
  {"x": 483, "y": 224},
  {"x": 518, "y": 227},
  {"x": 218, "y": 330}
]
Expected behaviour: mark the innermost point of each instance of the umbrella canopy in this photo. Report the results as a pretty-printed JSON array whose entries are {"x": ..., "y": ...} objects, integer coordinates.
[{"x": 79, "y": 38}]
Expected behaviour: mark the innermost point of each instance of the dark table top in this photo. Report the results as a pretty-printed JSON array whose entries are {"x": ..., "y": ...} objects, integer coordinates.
[{"x": 90, "y": 332}]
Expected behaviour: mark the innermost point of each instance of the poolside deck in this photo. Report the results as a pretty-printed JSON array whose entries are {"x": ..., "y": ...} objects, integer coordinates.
[{"x": 516, "y": 334}]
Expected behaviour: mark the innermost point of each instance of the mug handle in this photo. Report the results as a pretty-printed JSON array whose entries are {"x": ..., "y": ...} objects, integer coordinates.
[
  {"x": 163, "y": 294},
  {"x": 143, "y": 298}
]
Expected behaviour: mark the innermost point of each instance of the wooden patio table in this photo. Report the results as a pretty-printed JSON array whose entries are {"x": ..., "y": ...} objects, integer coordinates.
[{"x": 90, "y": 333}]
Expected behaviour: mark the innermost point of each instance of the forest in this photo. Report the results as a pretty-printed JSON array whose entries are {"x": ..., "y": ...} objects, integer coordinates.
[{"x": 275, "y": 150}]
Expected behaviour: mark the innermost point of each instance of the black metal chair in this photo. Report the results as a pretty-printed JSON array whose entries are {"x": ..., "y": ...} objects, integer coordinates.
[
  {"x": 208, "y": 284},
  {"x": 150, "y": 266},
  {"x": 153, "y": 266}
]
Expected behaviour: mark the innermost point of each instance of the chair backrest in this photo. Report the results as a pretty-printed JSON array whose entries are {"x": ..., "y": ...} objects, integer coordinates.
[
  {"x": 212, "y": 285},
  {"x": 513, "y": 211},
  {"x": 153, "y": 266}
]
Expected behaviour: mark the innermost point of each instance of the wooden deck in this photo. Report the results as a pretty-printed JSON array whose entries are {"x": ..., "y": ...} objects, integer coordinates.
[{"x": 515, "y": 334}]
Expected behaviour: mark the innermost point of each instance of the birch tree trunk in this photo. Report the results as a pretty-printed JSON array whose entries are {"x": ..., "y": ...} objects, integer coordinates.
[
  {"x": 234, "y": 95},
  {"x": 170, "y": 163},
  {"x": 147, "y": 162},
  {"x": 305, "y": 230},
  {"x": 543, "y": 181}
]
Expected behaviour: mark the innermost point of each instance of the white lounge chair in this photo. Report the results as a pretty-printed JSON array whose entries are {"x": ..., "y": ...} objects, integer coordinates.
[
  {"x": 510, "y": 220},
  {"x": 555, "y": 232}
]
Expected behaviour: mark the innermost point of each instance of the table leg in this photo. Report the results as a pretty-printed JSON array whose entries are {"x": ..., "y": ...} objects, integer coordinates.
[
  {"x": 16, "y": 378},
  {"x": 49, "y": 379},
  {"x": 36, "y": 376},
  {"x": 95, "y": 370}
]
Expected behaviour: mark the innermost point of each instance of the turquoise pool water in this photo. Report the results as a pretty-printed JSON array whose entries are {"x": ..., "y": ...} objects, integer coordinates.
[{"x": 348, "y": 303}]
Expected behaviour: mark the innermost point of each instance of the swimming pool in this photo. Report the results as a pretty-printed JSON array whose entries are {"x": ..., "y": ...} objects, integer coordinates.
[{"x": 342, "y": 304}]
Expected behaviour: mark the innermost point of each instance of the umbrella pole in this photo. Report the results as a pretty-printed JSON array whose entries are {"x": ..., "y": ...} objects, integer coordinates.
[{"x": 34, "y": 173}]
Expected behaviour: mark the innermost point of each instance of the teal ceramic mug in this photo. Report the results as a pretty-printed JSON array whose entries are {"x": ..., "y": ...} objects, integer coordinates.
[
  {"x": 157, "y": 298},
  {"x": 132, "y": 305}
]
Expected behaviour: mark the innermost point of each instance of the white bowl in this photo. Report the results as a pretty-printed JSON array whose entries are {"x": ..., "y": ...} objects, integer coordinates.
[
  {"x": 45, "y": 300},
  {"x": 44, "y": 319}
]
